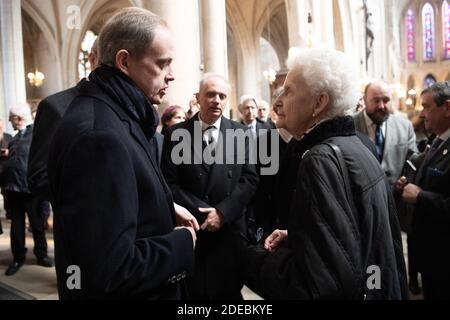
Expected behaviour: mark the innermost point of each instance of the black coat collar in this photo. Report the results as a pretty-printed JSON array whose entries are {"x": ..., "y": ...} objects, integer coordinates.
[{"x": 339, "y": 126}]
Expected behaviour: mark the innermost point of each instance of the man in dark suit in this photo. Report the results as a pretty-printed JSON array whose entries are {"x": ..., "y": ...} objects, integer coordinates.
[
  {"x": 113, "y": 212},
  {"x": 248, "y": 108},
  {"x": 430, "y": 195},
  {"x": 264, "y": 114},
  {"x": 20, "y": 200},
  {"x": 217, "y": 193},
  {"x": 261, "y": 217}
]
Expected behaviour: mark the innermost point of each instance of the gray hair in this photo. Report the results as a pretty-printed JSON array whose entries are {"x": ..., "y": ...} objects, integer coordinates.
[
  {"x": 440, "y": 92},
  {"x": 330, "y": 71},
  {"x": 263, "y": 103},
  {"x": 22, "y": 111},
  {"x": 131, "y": 29},
  {"x": 208, "y": 76},
  {"x": 244, "y": 99}
]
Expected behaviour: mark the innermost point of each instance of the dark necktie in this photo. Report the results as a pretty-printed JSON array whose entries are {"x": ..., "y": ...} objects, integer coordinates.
[
  {"x": 379, "y": 141},
  {"x": 209, "y": 132},
  {"x": 209, "y": 141}
]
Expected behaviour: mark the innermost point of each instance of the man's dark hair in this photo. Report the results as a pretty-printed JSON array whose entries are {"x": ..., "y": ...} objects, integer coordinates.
[{"x": 440, "y": 91}]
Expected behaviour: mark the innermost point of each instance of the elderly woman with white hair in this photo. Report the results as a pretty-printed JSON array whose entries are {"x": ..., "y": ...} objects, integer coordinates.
[
  {"x": 342, "y": 239},
  {"x": 14, "y": 183}
]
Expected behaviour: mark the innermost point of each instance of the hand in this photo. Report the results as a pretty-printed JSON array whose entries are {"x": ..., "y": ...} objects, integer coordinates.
[
  {"x": 410, "y": 193},
  {"x": 193, "y": 234},
  {"x": 185, "y": 218},
  {"x": 276, "y": 240},
  {"x": 214, "y": 221},
  {"x": 401, "y": 184}
]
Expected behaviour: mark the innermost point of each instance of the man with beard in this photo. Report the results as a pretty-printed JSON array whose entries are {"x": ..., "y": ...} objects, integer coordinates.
[{"x": 393, "y": 135}]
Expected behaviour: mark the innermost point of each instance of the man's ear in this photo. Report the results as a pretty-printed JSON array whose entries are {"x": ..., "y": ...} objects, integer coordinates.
[
  {"x": 122, "y": 60},
  {"x": 447, "y": 108}
]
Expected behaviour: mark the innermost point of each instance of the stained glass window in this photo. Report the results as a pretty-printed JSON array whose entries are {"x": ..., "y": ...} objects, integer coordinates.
[
  {"x": 410, "y": 36},
  {"x": 428, "y": 31},
  {"x": 446, "y": 25}
]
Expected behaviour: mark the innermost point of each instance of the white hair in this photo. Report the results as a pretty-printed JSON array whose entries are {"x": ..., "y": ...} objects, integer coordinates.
[
  {"x": 23, "y": 111},
  {"x": 330, "y": 71},
  {"x": 263, "y": 103},
  {"x": 244, "y": 99}
]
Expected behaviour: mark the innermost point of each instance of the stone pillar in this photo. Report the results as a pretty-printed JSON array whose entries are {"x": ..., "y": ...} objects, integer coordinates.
[
  {"x": 297, "y": 16},
  {"x": 11, "y": 56},
  {"x": 323, "y": 22},
  {"x": 249, "y": 73},
  {"x": 183, "y": 20},
  {"x": 214, "y": 31}
]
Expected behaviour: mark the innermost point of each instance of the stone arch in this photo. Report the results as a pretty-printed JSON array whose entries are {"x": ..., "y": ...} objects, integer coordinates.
[
  {"x": 245, "y": 48},
  {"x": 93, "y": 13},
  {"x": 272, "y": 26}
]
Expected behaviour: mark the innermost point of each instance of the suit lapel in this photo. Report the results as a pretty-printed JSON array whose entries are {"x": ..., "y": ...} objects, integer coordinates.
[
  {"x": 361, "y": 123},
  {"x": 196, "y": 152},
  {"x": 439, "y": 155},
  {"x": 389, "y": 139}
]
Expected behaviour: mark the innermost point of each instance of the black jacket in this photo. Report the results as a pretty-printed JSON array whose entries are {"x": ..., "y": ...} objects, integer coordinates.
[
  {"x": 113, "y": 212},
  {"x": 49, "y": 113},
  {"x": 431, "y": 218},
  {"x": 14, "y": 167},
  {"x": 330, "y": 249}
]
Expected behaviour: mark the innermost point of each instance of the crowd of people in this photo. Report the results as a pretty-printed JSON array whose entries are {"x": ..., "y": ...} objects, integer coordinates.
[{"x": 141, "y": 223}]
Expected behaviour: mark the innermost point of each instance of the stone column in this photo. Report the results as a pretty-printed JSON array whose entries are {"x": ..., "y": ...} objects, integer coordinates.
[
  {"x": 297, "y": 16},
  {"x": 11, "y": 56},
  {"x": 323, "y": 22},
  {"x": 214, "y": 31},
  {"x": 183, "y": 20}
]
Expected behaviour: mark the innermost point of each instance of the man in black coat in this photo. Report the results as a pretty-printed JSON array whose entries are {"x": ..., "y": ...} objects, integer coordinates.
[
  {"x": 20, "y": 200},
  {"x": 115, "y": 234},
  {"x": 217, "y": 193},
  {"x": 429, "y": 193}
]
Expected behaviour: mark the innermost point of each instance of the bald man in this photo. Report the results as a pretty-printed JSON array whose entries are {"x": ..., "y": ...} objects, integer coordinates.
[{"x": 393, "y": 135}]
